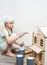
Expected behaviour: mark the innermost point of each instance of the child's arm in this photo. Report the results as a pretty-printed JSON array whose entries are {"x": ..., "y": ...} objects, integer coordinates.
[
  {"x": 10, "y": 40},
  {"x": 19, "y": 43},
  {"x": 22, "y": 34}
]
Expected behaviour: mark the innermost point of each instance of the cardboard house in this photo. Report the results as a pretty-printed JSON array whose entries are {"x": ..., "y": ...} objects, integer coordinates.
[{"x": 39, "y": 46}]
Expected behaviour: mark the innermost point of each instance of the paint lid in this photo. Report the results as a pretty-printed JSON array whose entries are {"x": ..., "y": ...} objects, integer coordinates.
[
  {"x": 22, "y": 48},
  {"x": 19, "y": 55},
  {"x": 30, "y": 58}
]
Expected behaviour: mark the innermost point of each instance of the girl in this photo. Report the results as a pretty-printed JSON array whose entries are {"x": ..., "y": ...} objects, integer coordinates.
[{"x": 8, "y": 37}]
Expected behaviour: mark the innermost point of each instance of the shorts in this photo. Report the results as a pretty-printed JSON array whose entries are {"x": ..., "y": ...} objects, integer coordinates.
[{"x": 4, "y": 45}]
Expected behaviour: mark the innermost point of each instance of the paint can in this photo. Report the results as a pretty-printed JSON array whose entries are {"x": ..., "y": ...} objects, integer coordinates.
[
  {"x": 19, "y": 59},
  {"x": 30, "y": 61}
]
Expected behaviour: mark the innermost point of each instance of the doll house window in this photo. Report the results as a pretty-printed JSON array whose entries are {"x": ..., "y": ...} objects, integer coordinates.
[
  {"x": 35, "y": 63},
  {"x": 40, "y": 56},
  {"x": 41, "y": 42},
  {"x": 35, "y": 39}
]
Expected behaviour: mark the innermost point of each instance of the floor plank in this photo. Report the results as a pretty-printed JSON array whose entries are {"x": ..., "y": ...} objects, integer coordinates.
[{"x": 5, "y": 60}]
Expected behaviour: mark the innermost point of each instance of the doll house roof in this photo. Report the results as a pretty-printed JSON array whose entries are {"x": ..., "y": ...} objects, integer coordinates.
[
  {"x": 44, "y": 30},
  {"x": 36, "y": 49}
]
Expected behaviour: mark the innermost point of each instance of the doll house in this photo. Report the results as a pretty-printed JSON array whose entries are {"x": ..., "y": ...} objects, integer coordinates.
[{"x": 39, "y": 46}]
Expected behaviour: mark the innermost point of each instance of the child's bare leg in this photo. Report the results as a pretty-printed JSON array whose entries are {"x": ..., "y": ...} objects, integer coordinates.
[
  {"x": 0, "y": 52},
  {"x": 9, "y": 53}
]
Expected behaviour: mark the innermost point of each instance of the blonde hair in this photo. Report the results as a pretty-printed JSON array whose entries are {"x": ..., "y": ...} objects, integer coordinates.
[{"x": 7, "y": 19}]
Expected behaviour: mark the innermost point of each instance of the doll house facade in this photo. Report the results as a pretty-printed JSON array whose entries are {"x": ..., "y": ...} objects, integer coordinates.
[{"x": 39, "y": 46}]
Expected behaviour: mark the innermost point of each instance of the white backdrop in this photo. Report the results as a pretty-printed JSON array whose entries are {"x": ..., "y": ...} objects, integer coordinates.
[{"x": 27, "y": 14}]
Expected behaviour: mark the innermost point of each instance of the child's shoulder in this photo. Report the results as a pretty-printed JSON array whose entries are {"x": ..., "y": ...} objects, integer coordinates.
[{"x": 1, "y": 28}]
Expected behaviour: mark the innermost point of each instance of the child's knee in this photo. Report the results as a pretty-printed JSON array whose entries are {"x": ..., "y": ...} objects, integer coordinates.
[{"x": 3, "y": 47}]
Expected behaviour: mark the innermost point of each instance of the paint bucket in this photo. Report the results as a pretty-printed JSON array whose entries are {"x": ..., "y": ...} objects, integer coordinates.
[
  {"x": 30, "y": 61},
  {"x": 19, "y": 59},
  {"x": 22, "y": 51}
]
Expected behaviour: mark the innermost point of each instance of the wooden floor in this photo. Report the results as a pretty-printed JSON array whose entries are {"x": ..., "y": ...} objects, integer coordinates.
[{"x": 5, "y": 60}]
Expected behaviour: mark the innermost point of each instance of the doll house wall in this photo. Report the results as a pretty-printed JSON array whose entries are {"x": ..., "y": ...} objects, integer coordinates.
[{"x": 45, "y": 57}]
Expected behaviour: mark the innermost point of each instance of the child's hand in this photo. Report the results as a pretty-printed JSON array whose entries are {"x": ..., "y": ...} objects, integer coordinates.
[
  {"x": 21, "y": 44},
  {"x": 25, "y": 33},
  {"x": 22, "y": 34}
]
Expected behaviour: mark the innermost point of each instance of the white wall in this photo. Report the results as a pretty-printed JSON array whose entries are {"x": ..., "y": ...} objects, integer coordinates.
[{"x": 27, "y": 13}]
